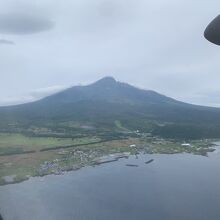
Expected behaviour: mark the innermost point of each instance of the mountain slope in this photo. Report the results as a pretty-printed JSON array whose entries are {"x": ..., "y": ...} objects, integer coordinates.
[
  {"x": 107, "y": 101},
  {"x": 107, "y": 89}
]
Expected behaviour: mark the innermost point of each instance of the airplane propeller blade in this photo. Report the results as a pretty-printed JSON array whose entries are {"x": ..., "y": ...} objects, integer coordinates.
[{"x": 212, "y": 32}]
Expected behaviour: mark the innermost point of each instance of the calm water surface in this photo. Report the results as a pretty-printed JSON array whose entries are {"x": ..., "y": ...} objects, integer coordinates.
[{"x": 173, "y": 187}]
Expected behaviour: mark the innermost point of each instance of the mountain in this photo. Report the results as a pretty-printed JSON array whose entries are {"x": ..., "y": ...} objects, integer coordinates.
[
  {"x": 106, "y": 89},
  {"x": 111, "y": 105}
]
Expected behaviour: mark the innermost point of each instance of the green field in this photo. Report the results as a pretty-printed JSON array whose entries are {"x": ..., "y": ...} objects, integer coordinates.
[{"x": 18, "y": 143}]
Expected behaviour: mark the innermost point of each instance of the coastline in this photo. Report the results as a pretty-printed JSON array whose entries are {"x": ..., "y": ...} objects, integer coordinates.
[{"x": 52, "y": 168}]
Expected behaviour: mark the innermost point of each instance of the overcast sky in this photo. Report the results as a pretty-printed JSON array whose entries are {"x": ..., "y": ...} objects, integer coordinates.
[{"x": 48, "y": 45}]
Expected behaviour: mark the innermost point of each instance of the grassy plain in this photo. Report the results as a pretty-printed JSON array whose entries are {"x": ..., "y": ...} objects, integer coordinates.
[{"x": 19, "y": 143}]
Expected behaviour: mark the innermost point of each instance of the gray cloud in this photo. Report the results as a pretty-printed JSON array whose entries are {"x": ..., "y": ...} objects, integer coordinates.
[
  {"x": 209, "y": 97},
  {"x": 42, "y": 92},
  {"x": 32, "y": 95},
  {"x": 20, "y": 23},
  {"x": 8, "y": 42}
]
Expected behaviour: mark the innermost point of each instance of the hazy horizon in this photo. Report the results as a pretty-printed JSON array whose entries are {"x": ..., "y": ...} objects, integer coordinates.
[{"x": 45, "y": 92}]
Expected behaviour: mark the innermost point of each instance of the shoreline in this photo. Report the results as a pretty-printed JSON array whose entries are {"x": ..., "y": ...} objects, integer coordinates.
[
  {"x": 73, "y": 160},
  {"x": 98, "y": 162}
]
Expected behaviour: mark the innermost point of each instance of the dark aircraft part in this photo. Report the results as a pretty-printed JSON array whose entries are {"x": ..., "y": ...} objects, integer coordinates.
[{"x": 212, "y": 32}]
